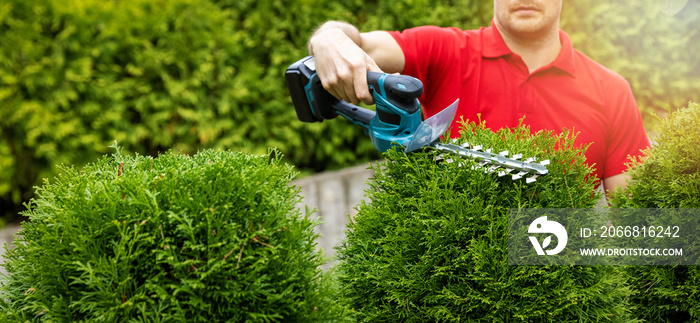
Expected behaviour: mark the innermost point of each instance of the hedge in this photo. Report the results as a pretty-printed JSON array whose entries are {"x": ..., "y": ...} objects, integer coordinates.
[
  {"x": 198, "y": 74},
  {"x": 668, "y": 176},
  {"x": 215, "y": 237},
  {"x": 431, "y": 245}
]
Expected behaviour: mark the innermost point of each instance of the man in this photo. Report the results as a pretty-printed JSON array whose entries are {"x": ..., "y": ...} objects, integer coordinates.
[{"x": 520, "y": 66}]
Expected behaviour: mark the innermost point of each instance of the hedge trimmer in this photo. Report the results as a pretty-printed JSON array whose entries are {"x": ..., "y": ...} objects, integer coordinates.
[{"x": 397, "y": 119}]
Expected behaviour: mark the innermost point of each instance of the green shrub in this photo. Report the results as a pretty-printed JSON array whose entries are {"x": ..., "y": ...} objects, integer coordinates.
[
  {"x": 668, "y": 176},
  {"x": 210, "y": 238},
  {"x": 431, "y": 245}
]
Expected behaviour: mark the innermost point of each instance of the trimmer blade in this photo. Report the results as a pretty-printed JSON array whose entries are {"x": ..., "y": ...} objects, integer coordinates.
[{"x": 432, "y": 128}]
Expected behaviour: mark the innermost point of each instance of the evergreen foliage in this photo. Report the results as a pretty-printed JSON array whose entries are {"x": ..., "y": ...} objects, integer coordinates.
[
  {"x": 215, "y": 237},
  {"x": 431, "y": 244},
  {"x": 668, "y": 176}
]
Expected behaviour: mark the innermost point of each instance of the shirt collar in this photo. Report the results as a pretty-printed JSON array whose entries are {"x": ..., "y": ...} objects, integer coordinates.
[{"x": 494, "y": 46}]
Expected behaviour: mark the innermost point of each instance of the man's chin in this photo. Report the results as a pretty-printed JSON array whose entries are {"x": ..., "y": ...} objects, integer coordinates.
[{"x": 530, "y": 26}]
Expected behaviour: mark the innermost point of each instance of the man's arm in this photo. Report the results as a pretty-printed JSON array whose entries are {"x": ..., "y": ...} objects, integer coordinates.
[
  {"x": 615, "y": 181},
  {"x": 343, "y": 56}
]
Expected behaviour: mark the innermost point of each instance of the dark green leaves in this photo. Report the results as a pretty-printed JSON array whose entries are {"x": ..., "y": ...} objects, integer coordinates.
[{"x": 431, "y": 245}]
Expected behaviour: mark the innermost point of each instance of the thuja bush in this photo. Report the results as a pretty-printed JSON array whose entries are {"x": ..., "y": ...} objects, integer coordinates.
[
  {"x": 668, "y": 176},
  {"x": 215, "y": 237},
  {"x": 431, "y": 243}
]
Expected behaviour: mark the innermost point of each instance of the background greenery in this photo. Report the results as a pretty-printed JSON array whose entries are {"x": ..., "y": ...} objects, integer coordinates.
[{"x": 196, "y": 74}]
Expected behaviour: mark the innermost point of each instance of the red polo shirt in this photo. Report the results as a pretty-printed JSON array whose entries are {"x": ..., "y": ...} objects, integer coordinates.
[{"x": 573, "y": 92}]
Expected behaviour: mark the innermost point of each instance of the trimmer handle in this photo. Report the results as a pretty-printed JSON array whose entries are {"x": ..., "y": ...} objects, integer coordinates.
[
  {"x": 396, "y": 97},
  {"x": 397, "y": 91},
  {"x": 402, "y": 90},
  {"x": 313, "y": 103}
]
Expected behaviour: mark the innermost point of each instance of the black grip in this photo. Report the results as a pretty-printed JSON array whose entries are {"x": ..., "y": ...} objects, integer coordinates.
[
  {"x": 403, "y": 87},
  {"x": 322, "y": 100},
  {"x": 373, "y": 79},
  {"x": 354, "y": 113},
  {"x": 297, "y": 76}
]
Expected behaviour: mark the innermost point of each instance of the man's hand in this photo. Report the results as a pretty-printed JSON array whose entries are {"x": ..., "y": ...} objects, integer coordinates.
[
  {"x": 343, "y": 56},
  {"x": 342, "y": 65}
]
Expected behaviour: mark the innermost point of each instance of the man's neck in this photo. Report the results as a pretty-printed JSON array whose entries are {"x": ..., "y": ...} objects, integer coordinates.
[{"x": 536, "y": 52}]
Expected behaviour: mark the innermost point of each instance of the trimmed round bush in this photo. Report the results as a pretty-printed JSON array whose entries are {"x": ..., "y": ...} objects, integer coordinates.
[
  {"x": 668, "y": 176},
  {"x": 215, "y": 237},
  {"x": 431, "y": 244}
]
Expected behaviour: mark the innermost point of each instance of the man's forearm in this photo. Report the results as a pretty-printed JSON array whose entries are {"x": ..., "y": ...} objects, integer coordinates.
[{"x": 338, "y": 27}]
